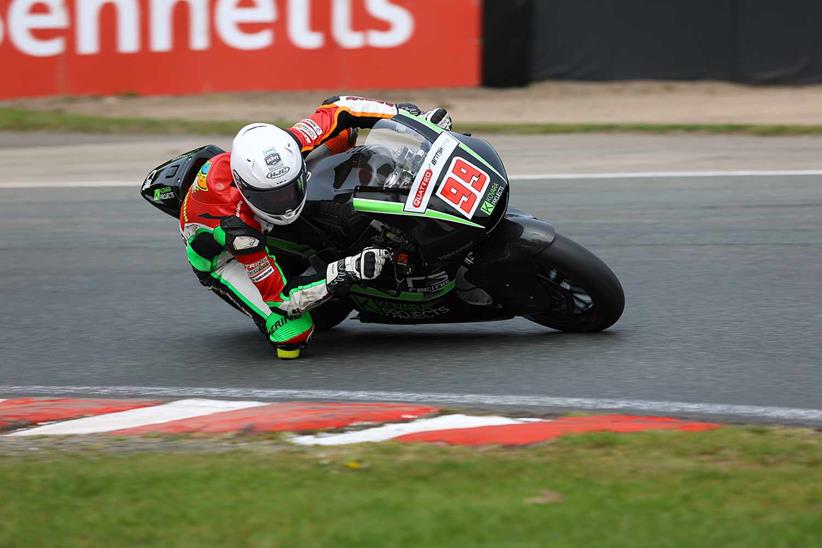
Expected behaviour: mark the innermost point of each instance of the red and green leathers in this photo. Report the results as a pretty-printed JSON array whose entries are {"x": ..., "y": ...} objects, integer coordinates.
[
  {"x": 225, "y": 242},
  {"x": 226, "y": 247}
]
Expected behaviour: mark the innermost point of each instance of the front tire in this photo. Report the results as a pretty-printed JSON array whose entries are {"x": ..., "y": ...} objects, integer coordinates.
[{"x": 584, "y": 294}]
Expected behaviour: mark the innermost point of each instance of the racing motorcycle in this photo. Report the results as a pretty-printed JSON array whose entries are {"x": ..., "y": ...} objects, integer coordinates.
[{"x": 439, "y": 200}]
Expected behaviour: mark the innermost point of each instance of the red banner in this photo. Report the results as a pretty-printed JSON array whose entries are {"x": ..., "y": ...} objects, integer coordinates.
[{"x": 101, "y": 47}]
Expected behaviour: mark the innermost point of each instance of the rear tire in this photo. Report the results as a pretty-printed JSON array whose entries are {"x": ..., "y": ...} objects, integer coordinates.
[{"x": 585, "y": 295}]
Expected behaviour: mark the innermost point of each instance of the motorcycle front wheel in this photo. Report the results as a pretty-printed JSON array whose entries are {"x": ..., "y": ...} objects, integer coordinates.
[{"x": 584, "y": 295}]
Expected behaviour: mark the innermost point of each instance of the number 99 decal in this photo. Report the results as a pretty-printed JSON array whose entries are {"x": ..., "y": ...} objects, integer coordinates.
[{"x": 463, "y": 186}]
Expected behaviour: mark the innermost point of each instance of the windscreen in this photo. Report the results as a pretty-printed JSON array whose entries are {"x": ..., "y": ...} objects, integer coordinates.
[{"x": 391, "y": 156}]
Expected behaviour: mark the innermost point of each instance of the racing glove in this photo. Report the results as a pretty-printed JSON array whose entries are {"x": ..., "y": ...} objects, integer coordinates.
[
  {"x": 439, "y": 117},
  {"x": 410, "y": 108},
  {"x": 366, "y": 265}
]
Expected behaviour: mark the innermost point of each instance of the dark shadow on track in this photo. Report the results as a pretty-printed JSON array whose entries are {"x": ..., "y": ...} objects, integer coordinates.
[{"x": 381, "y": 341}]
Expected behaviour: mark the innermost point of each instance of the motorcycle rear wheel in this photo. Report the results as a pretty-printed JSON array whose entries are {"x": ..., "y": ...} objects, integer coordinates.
[{"x": 585, "y": 295}]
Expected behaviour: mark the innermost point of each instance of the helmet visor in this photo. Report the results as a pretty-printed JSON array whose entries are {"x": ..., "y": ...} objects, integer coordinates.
[{"x": 276, "y": 201}]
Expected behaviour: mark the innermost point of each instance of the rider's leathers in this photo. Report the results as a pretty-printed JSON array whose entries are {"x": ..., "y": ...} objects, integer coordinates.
[{"x": 225, "y": 242}]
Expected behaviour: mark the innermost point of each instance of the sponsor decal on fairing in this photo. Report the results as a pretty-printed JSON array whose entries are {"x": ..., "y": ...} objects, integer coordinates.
[
  {"x": 399, "y": 310},
  {"x": 463, "y": 186},
  {"x": 163, "y": 193},
  {"x": 427, "y": 284},
  {"x": 491, "y": 199},
  {"x": 429, "y": 173}
]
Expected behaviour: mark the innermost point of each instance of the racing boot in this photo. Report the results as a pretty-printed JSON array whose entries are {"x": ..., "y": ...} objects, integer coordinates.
[{"x": 289, "y": 335}]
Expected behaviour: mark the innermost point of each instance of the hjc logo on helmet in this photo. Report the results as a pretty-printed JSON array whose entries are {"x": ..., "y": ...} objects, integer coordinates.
[{"x": 277, "y": 173}]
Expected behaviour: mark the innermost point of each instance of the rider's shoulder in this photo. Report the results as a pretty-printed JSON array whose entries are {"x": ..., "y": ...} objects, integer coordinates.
[
  {"x": 218, "y": 171},
  {"x": 219, "y": 177},
  {"x": 214, "y": 183}
]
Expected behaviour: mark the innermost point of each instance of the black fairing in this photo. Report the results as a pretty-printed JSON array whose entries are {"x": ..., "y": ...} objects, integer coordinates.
[
  {"x": 166, "y": 186},
  {"x": 497, "y": 246},
  {"x": 484, "y": 149},
  {"x": 504, "y": 265},
  {"x": 333, "y": 184},
  {"x": 490, "y": 155}
]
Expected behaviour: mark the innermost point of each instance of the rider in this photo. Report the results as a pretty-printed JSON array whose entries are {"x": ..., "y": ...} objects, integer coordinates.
[{"x": 240, "y": 196}]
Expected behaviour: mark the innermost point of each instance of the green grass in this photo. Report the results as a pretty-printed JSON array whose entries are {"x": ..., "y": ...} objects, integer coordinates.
[
  {"x": 36, "y": 120},
  {"x": 742, "y": 487},
  {"x": 766, "y": 130}
]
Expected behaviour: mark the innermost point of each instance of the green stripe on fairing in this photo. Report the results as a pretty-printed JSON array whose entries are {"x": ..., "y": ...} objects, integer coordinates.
[
  {"x": 462, "y": 145},
  {"x": 422, "y": 120},
  {"x": 394, "y": 208},
  {"x": 404, "y": 295},
  {"x": 481, "y": 159}
]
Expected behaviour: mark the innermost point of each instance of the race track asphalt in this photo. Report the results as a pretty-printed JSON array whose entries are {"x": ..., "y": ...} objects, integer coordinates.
[{"x": 723, "y": 282}]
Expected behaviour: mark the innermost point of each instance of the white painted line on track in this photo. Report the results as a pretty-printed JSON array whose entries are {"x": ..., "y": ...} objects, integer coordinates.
[
  {"x": 176, "y": 410},
  {"x": 668, "y": 174},
  {"x": 529, "y": 177},
  {"x": 2, "y": 400},
  {"x": 390, "y": 431},
  {"x": 595, "y": 404}
]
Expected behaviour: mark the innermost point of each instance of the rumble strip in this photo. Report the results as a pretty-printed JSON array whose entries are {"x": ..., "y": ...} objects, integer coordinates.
[{"x": 363, "y": 422}]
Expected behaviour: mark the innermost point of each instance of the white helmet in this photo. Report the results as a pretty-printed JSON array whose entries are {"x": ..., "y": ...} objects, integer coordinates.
[{"x": 270, "y": 173}]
